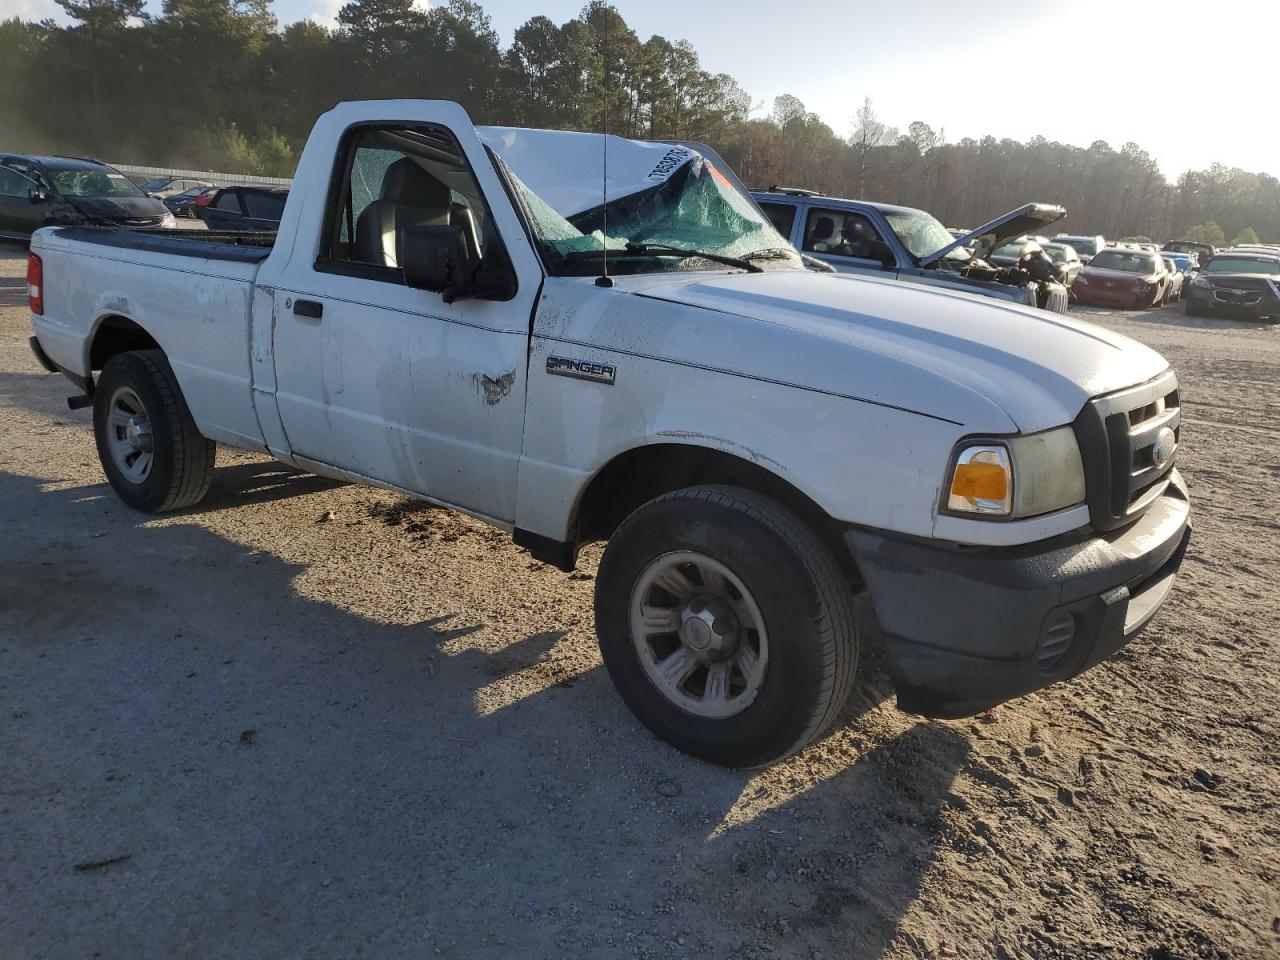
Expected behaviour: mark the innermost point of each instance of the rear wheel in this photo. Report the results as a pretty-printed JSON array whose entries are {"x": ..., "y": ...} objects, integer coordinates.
[
  {"x": 726, "y": 625},
  {"x": 154, "y": 457}
]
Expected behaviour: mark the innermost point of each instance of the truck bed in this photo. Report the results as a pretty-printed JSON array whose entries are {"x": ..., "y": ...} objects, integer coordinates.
[{"x": 237, "y": 246}]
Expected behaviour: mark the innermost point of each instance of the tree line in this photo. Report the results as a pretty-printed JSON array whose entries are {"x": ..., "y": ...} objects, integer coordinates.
[{"x": 219, "y": 84}]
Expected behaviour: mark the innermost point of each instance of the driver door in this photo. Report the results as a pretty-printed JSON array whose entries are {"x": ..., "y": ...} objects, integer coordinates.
[
  {"x": 385, "y": 381},
  {"x": 18, "y": 215},
  {"x": 842, "y": 238}
]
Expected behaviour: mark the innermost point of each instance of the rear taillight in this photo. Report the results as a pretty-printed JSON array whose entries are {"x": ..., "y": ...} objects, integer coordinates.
[{"x": 35, "y": 284}]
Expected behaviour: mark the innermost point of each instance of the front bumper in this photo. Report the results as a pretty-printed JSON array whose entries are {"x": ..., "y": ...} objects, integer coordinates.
[
  {"x": 1097, "y": 295},
  {"x": 968, "y": 628},
  {"x": 1254, "y": 304}
]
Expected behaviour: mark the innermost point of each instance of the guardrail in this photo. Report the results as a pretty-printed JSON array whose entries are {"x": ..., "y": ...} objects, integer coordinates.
[{"x": 220, "y": 179}]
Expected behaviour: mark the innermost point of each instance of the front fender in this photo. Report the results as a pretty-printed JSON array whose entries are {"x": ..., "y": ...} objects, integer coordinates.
[{"x": 861, "y": 463}]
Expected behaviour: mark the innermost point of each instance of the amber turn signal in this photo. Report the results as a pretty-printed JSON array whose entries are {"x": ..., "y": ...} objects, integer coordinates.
[{"x": 980, "y": 481}]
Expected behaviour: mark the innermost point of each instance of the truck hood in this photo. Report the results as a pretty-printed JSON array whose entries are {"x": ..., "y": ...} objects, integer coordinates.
[
  {"x": 898, "y": 344},
  {"x": 1027, "y": 219}
]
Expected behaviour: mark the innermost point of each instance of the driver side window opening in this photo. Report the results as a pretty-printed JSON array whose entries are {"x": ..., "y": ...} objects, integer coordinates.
[
  {"x": 840, "y": 233},
  {"x": 392, "y": 178},
  {"x": 14, "y": 184}
]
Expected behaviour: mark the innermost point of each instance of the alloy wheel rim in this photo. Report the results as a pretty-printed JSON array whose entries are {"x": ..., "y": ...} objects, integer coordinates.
[
  {"x": 699, "y": 634},
  {"x": 129, "y": 437}
]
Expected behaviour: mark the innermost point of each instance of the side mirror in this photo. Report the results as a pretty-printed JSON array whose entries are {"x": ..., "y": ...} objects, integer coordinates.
[
  {"x": 442, "y": 260},
  {"x": 38, "y": 195},
  {"x": 879, "y": 250}
]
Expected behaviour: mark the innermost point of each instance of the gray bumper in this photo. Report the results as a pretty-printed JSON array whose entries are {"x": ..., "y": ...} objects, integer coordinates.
[{"x": 968, "y": 628}]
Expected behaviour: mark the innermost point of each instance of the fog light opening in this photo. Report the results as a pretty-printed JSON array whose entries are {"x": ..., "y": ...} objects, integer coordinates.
[{"x": 1055, "y": 641}]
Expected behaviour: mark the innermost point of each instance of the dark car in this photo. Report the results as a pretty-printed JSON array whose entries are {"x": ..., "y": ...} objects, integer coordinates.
[
  {"x": 1121, "y": 277},
  {"x": 244, "y": 208},
  {"x": 162, "y": 188},
  {"x": 62, "y": 191},
  {"x": 1243, "y": 285},
  {"x": 884, "y": 240},
  {"x": 184, "y": 204}
]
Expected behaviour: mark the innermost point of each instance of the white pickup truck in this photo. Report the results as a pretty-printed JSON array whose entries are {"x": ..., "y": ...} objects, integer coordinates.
[{"x": 455, "y": 313}]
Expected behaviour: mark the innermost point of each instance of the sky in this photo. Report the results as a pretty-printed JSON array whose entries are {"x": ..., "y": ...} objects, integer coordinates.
[{"x": 1192, "y": 81}]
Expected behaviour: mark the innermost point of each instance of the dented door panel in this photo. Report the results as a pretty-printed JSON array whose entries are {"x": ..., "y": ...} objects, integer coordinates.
[{"x": 405, "y": 389}]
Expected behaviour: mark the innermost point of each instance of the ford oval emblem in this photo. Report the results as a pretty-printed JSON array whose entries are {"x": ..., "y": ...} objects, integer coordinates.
[{"x": 1162, "y": 449}]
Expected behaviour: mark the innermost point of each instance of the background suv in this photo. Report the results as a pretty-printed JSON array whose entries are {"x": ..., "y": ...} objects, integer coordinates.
[{"x": 901, "y": 243}]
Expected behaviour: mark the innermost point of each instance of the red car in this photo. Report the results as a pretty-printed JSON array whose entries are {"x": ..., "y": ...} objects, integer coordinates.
[{"x": 1125, "y": 278}]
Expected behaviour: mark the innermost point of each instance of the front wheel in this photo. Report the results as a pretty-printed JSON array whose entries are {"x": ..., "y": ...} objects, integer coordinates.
[
  {"x": 726, "y": 625},
  {"x": 151, "y": 451}
]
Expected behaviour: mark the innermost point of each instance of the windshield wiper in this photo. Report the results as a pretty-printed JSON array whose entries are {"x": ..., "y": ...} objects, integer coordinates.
[
  {"x": 633, "y": 249},
  {"x": 640, "y": 249},
  {"x": 771, "y": 253}
]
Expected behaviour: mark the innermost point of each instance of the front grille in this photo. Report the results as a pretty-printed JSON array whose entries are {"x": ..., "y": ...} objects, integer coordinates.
[
  {"x": 137, "y": 221},
  {"x": 1245, "y": 297},
  {"x": 1057, "y": 299},
  {"x": 1255, "y": 284},
  {"x": 1125, "y": 469}
]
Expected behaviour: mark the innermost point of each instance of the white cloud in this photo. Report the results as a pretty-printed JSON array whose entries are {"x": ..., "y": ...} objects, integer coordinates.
[
  {"x": 327, "y": 13},
  {"x": 31, "y": 10}
]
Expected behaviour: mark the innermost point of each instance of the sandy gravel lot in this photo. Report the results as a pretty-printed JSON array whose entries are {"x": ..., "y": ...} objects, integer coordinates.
[{"x": 316, "y": 720}]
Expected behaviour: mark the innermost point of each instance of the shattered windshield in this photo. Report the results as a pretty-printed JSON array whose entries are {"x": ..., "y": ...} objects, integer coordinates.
[
  {"x": 922, "y": 234},
  {"x": 93, "y": 183},
  {"x": 660, "y": 195}
]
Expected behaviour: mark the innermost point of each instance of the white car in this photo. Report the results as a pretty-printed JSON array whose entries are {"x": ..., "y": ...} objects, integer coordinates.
[{"x": 757, "y": 442}]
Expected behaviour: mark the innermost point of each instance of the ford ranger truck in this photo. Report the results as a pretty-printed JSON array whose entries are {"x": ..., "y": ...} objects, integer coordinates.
[{"x": 465, "y": 316}]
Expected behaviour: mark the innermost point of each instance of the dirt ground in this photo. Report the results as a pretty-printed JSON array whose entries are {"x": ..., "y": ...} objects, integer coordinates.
[{"x": 317, "y": 720}]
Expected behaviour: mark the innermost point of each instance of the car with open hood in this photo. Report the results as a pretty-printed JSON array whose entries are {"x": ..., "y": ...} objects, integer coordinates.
[
  {"x": 901, "y": 243},
  {"x": 1124, "y": 277},
  {"x": 479, "y": 318},
  {"x": 1243, "y": 285},
  {"x": 49, "y": 191}
]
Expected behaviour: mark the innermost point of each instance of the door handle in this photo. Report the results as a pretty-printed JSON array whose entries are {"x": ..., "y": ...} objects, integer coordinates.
[{"x": 308, "y": 308}]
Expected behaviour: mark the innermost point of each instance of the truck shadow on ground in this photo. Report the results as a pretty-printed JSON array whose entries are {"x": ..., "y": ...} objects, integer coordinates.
[{"x": 286, "y": 776}]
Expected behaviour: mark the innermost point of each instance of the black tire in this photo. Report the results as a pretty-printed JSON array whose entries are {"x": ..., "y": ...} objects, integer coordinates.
[
  {"x": 1195, "y": 310},
  {"x": 805, "y": 600},
  {"x": 182, "y": 460}
]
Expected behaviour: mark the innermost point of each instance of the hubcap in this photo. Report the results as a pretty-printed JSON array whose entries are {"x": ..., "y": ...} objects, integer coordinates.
[
  {"x": 698, "y": 634},
  {"x": 129, "y": 438}
]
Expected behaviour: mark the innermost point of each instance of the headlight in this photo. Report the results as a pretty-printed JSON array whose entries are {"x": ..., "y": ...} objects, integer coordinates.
[
  {"x": 1019, "y": 477},
  {"x": 1201, "y": 282},
  {"x": 1082, "y": 279},
  {"x": 170, "y": 221}
]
